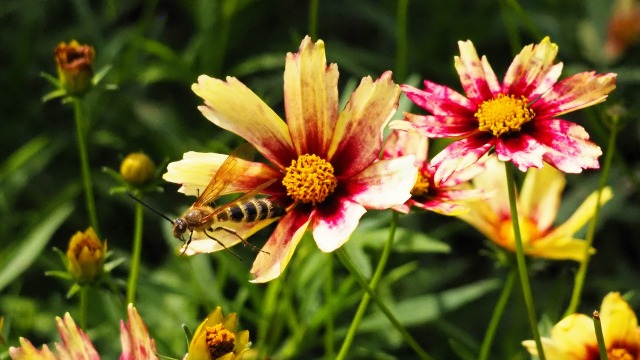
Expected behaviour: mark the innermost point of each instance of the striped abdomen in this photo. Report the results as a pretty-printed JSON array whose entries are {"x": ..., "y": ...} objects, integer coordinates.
[{"x": 255, "y": 209}]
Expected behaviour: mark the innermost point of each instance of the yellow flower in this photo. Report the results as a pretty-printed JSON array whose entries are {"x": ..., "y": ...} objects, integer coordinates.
[
  {"x": 137, "y": 168},
  {"x": 85, "y": 256},
  {"x": 574, "y": 337},
  {"x": 216, "y": 338},
  {"x": 538, "y": 205},
  {"x": 75, "y": 66}
]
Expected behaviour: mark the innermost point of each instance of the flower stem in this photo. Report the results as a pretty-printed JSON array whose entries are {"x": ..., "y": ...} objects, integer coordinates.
[
  {"x": 371, "y": 294},
  {"x": 84, "y": 164},
  {"x": 522, "y": 265},
  {"x": 599, "y": 336},
  {"x": 498, "y": 311},
  {"x": 84, "y": 304},
  {"x": 328, "y": 295},
  {"x": 401, "y": 40},
  {"x": 135, "y": 256},
  {"x": 591, "y": 231},
  {"x": 313, "y": 18}
]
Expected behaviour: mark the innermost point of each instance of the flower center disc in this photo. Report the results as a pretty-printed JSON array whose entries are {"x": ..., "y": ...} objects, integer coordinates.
[
  {"x": 310, "y": 179},
  {"x": 219, "y": 340},
  {"x": 503, "y": 114},
  {"x": 620, "y": 354},
  {"x": 421, "y": 187}
]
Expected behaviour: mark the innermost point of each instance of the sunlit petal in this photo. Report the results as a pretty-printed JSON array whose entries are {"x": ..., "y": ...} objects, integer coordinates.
[
  {"x": 311, "y": 98},
  {"x": 225, "y": 235},
  {"x": 135, "y": 339},
  {"x": 234, "y": 107},
  {"x": 532, "y": 71},
  {"x": 540, "y": 195},
  {"x": 460, "y": 155},
  {"x": 476, "y": 82},
  {"x": 384, "y": 183},
  {"x": 522, "y": 150},
  {"x": 401, "y": 143},
  {"x": 439, "y": 99},
  {"x": 277, "y": 252},
  {"x": 333, "y": 223},
  {"x": 584, "y": 212},
  {"x": 357, "y": 138},
  {"x": 619, "y": 322},
  {"x": 575, "y": 92}
]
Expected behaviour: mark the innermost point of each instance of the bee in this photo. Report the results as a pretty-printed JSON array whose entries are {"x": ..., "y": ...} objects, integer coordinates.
[{"x": 238, "y": 218}]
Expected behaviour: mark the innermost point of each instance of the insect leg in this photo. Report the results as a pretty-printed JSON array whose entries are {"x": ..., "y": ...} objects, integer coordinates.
[
  {"x": 220, "y": 242},
  {"x": 231, "y": 231}
]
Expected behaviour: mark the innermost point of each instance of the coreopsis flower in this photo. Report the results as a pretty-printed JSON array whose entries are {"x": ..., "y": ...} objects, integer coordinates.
[
  {"x": 137, "y": 168},
  {"x": 75, "y": 66},
  {"x": 75, "y": 345},
  {"x": 135, "y": 339},
  {"x": 448, "y": 197},
  {"x": 574, "y": 337},
  {"x": 217, "y": 338},
  {"x": 519, "y": 118},
  {"x": 623, "y": 29},
  {"x": 538, "y": 206},
  {"x": 325, "y": 162},
  {"x": 85, "y": 256}
]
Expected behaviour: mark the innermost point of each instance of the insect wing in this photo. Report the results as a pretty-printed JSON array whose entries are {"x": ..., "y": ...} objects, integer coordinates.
[
  {"x": 232, "y": 168},
  {"x": 250, "y": 195}
]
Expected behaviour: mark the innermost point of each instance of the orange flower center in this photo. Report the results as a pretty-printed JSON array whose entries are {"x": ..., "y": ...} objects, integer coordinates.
[
  {"x": 503, "y": 114},
  {"x": 528, "y": 230},
  {"x": 87, "y": 243},
  {"x": 220, "y": 341},
  {"x": 620, "y": 354},
  {"x": 421, "y": 187},
  {"x": 310, "y": 179}
]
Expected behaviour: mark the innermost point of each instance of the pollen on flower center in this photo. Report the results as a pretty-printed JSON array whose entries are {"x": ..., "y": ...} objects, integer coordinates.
[
  {"x": 310, "y": 179},
  {"x": 503, "y": 114},
  {"x": 219, "y": 340},
  {"x": 421, "y": 187},
  {"x": 620, "y": 354}
]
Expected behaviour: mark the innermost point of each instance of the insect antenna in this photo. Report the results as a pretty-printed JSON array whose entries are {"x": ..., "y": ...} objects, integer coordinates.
[{"x": 149, "y": 207}]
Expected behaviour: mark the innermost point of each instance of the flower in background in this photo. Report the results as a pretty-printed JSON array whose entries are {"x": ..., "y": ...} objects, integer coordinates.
[
  {"x": 137, "y": 168},
  {"x": 75, "y": 345},
  {"x": 85, "y": 256},
  {"x": 538, "y": 206},
  {"x": 446, "y": 198},
  {"x": 518, "y": 117},
  {"x": 135, "y": 339},
  {"x": 325, "y": 162},
  {"x": 624, "y": 28},
  {"x": 574, "y": 337},
  {"x": 75, "y": 66},
  {"x": 217, "y": 338}
]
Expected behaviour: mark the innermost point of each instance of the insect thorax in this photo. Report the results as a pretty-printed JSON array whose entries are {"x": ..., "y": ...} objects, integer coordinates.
[{"x": 255, "y": 209}]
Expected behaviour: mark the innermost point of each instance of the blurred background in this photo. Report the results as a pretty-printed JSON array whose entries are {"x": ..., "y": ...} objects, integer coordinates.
[{"x": 442, "y": 280}]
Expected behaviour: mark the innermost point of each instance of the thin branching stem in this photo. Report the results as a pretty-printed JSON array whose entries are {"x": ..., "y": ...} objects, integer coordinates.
[
  {"x": 137, "y": 249},
  {"x": 602, "y": 348},
  {"x": 498, "y": 311}
]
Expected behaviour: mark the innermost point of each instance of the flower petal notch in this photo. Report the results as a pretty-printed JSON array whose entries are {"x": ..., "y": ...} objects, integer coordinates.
[
  {"x": 518, "y": 117},
  {"x": 325, "y": 163}
]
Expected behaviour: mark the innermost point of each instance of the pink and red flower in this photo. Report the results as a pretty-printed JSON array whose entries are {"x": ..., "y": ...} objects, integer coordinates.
[
  {"x": 518, "y": 117},
  {"x": 325, "y": 161}
]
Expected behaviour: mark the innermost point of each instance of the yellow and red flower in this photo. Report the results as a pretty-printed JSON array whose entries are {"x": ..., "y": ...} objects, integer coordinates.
[
  {"x": 135, "y": 339},
  {"x": 518, "y": 117},
  {"x": 75, "y": 66},
  {"x": 217, "y": 338},
  {"x": 538, "y": 206},
  {"x": 85, "y": 256},
  {"x": 325, "y": 161},
  {"x": 574, "y": 337},
  {"x": 446, "y": 198}
]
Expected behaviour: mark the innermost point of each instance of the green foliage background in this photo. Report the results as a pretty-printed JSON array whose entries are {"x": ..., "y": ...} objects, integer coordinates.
[{"x": 442, "y": 281}]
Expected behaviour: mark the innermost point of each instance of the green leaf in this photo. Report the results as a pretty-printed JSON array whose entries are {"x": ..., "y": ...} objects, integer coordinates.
[{"x": 22, "y": 256}]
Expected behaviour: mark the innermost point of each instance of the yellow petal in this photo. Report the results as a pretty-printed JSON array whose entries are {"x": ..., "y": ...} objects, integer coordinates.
[
  {"x": 311, "y": 98},
  {"x": 619, "y": 322},
  {"x": 581, "y": 215},
  {"x": 562, "y": 248},
  {"x": 540, "y": 195}
]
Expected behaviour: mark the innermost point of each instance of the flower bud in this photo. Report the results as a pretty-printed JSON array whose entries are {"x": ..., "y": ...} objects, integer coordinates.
[
  {"x": 137, "y": 169},
  {"x": 85, "y": 256},
  {"x": 75, "y": 66}
]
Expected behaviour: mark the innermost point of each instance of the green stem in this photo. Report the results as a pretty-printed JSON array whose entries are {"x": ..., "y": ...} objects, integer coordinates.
[
  {"x": 135, "y": 256},
  {"x": 591, "y": 231},
  {"x": 364, "y": 302},
  {"x": 84, "y": 304},
  {"x": 498, "y": 311},
  {"x": 328, "y": 295},
  {"x": 371, "y": 294},
  {"x": 522, "y": 265},
  {"x": 84, "y": 164},
  {"x": 313, "y": 18},
  {"x": 401, "y": 40},
  {"x": 602, "y": 348}
]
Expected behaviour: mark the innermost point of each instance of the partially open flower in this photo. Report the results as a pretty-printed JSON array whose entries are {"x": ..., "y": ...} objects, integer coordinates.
[
  {"x": 216, "y": 338},
  {"x": 85, "y": 256},
  {"x": 75, "y": 66},
  {"x": 137, "y": 168},
  {"x": 623, "y": 29},
  {"x": 135, "y": 339}
]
